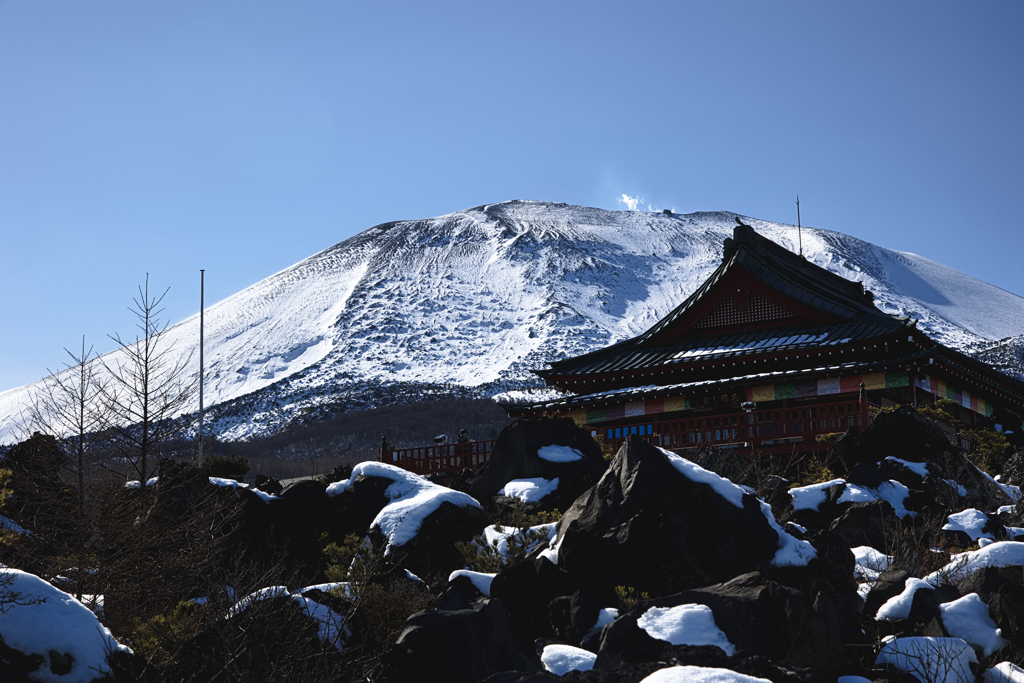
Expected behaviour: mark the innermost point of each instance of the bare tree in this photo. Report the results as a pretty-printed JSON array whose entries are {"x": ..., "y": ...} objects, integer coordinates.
[
  {"x": 146, "y": 389},
  {"x": 67, "y": 405}
]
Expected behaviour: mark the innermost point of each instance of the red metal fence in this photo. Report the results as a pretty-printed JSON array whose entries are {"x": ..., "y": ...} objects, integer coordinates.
[{"x": 447, "y": 459}]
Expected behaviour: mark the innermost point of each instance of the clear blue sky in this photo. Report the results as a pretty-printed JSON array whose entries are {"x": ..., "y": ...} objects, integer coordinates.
[{"x": 242, "y": 137}]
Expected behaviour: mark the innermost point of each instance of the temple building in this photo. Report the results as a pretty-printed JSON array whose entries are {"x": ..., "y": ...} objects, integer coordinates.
[{"x": 770, "y": 353}]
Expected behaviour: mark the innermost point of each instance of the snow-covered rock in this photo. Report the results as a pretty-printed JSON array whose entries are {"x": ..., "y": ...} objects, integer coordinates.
[{"x": 60, "y": 636}]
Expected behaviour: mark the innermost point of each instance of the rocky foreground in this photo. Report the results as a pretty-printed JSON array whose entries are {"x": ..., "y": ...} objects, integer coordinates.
[{"x": 903, "y": 566}]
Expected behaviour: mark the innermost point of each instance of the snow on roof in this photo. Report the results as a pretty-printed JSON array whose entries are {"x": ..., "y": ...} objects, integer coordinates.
[
  {"x": 529, "y": 490},
  {"x": 561, "y": 659},
  {"x": 962, "y": 565},
  {"x": 689, "y": 624},
  {"x": 331, "y": 627},
  {"x": 971, "y": 522},
  {"x": 791, "y": 552},
  {"x": 898, "y": 606},
  {"x": 559, "y": 454},
  {"x": 930, "y": 659},
  {"x": 773, "y": 342},
  {"x": 412, "y": 497},
  {"x": 134, "y": 483},
  {"x": 700, "y": 674},
  {"x": 968, "y": 619},
  {"x": 60, "y": 625},
  {"x": 481, "y": 580}
]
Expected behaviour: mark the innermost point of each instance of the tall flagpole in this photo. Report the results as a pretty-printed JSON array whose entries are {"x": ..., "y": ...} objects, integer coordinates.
[
  {"x": 202, "y": 306},
  {"x": 799, "y": 230}
]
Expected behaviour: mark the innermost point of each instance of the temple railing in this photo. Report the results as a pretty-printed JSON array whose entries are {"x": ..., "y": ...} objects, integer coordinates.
[
  {"x": 440, "y": 459},
  {"x": 764, "y": 430}
]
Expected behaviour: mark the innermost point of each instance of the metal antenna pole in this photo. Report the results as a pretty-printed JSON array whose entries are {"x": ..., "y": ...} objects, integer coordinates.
[
  {"x": 202, "y": 306},
  {"x": 799, "y": 230}
]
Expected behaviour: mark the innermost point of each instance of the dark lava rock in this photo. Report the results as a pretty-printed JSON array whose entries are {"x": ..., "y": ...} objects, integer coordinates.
[
  {"x": 889, "y": 584},
  {"x": 647, "y": 526},
  {"x": 268, "y": 485},
  {"x": 865, "y": 475},
  {"x": 527, "y": 589},
  {"x": 903, "y": 433},
  {"x": 514, "y": 456},
  {"x": 906, "y": 434},
  {"x": 462, "y": 646},
  {"x": 867, "y": 523},
  {"x": 573, "y": 616},
  {"x": 1002, "y": 589},
  {"x": 762, "y": 617},
  {"x": 432, "y": 552}
]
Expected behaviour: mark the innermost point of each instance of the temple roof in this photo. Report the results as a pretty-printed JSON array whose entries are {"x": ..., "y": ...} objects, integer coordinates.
[{"x": 761, "y": 298}]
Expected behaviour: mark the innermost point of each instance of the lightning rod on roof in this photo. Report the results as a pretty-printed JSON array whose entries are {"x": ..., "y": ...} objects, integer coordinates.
[{"x": 799, "y": 230}]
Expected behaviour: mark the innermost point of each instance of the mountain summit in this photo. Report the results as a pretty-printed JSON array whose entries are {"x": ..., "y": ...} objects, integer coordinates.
[{"x": 472, "y": 301}]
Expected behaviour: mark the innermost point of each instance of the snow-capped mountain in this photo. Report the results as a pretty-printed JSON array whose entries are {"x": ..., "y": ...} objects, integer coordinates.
[{"x": 468, "y": 303}]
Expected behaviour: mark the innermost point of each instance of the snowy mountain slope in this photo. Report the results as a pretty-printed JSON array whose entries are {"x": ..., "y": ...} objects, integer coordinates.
[{"x": 471, "y": 301}]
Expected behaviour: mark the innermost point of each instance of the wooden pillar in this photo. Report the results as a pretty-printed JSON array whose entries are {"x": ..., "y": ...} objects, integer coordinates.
[{"x": 864, "y": 413}]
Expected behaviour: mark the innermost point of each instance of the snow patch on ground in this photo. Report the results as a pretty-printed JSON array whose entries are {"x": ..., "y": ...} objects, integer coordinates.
[
  {"x": 869, "y": 563},
  {"x": 231, "y": 483},
  {"x": 962, "y": 565},
  {"x": 561, "y": 659},
  {"x": 1004, "y": 672},
  {"x": 412, "y": 497},
  {"x": 480, "y": 580},
  {"x": 57, "y": 625},
  {"x": 971, "y": 522},
  {"x": 700, "y": 674},
  {"x": 498, "y": 539},
  {"x": 918, "y": 468},
  {"x": 810, "y": 497},
  {"x": 969, "y": 620},
  {"x": 332, "y": 627},
  {"x": 898, "y": 606},
  {"x": 930, "y": 659},
  {"x": 892, "y": 492},
  {"x": 559, "y": 454},
  {"x": 529, "y": 490},
  {"x": 604, "y": 617},
  {"x": 689, "y": 624}
]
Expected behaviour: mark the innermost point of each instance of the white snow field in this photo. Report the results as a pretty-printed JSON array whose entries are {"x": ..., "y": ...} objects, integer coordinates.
[
  {"x": 479, "y": 297},
  {"x": 57, "y": 626}
]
